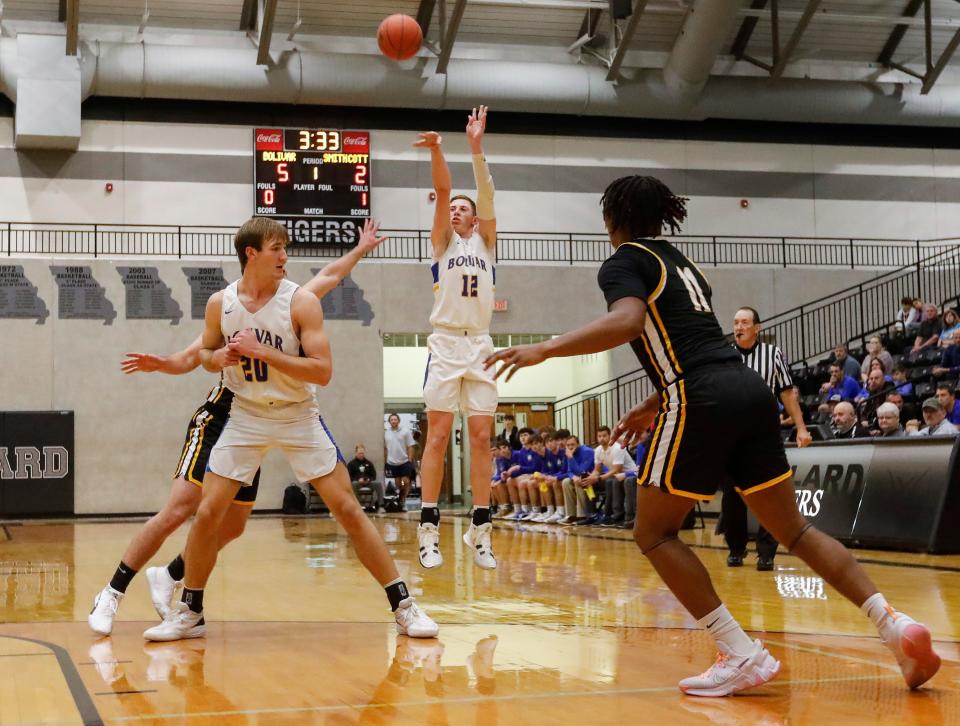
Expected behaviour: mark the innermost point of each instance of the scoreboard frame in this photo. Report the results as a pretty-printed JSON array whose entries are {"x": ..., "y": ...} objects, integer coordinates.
[{"x": 315, "y": 181}]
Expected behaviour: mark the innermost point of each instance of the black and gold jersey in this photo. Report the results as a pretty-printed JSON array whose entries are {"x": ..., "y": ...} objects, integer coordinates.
[{"x": 681, "y": 332}]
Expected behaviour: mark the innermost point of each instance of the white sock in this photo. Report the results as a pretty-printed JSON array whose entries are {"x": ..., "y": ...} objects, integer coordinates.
[
  {"x": 525, "y": 507},
  {"x": 428, "y": 505},
  {"x": 562, "y": 511},
  {"x": 550, "y": 509},
  {"x": 724, "y": 629},
  {"x": 879, "y": 611}
]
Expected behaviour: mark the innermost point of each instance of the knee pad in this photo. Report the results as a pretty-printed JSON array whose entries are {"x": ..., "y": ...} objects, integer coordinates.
[
  {"x": 662, "y": 540},
  {"x": 803, "y": 531}
]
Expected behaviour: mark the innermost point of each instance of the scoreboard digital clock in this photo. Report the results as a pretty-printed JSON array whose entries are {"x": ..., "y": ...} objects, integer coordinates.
[{"x": 315, "y": 181}]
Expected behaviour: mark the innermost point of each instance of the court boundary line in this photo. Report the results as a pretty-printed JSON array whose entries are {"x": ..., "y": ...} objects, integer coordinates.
[
  {"x": 81, "y": 697},
  {"x": 473, "y": 699}
]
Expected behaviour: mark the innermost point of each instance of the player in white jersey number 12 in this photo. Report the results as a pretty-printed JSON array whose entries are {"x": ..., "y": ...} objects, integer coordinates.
[
  {"x": 265, "y": 334},
  {"x": 464, "y": 238}
]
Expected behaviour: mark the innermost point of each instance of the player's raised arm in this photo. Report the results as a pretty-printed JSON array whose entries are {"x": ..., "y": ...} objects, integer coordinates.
[
  {"x": 486, "y": 216},
  {"x": 442, "y": 231},
  {"x": 316, "y": 363},
  {"x": 175, "y": 364},
  {"x": 331, "y": 275}
]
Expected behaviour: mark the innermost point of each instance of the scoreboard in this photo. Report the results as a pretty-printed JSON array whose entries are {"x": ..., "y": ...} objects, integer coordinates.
[{"x": 315, "y": 181}]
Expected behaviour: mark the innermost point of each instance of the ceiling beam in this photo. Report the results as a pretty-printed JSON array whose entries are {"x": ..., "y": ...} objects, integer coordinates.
[
  {"x": 934, "y": 73},
  {"x": 72, "y": 21},
  {"x": 450, "y": 37},
  {"x": 896, "y": 35},
  {"x": 628, "y": 32},
  {"x": 425, "y": 15},
  {"x": 747, "y": 27},
  {"x": 268, "y": 11},
  {"x": 786, "y": 53}
]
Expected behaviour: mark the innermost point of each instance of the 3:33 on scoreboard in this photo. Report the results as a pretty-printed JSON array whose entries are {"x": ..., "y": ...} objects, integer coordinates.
[{"x": 315, "y": 181}]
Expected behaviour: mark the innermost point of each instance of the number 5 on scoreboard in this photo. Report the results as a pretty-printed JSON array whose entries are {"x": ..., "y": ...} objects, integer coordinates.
[{"x": 282, "y": 173}]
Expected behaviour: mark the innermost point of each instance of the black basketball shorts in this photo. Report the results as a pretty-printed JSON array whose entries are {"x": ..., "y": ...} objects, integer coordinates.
[
  {"x": 202, "y": 433},
  {"x": 716, "y": 425}
]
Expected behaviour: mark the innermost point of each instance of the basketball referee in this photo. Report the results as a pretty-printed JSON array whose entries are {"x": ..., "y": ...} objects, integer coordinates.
[{"x": 768, "y": 361}]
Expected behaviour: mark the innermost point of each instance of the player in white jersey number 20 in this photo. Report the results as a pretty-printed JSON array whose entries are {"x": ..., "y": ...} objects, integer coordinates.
[
  {"x": 464, "y": 238},
  {"x": 265, "y": 334}
]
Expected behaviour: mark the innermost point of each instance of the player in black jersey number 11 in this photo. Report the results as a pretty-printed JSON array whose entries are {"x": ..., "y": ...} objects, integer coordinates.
[{"x": 708, "y": 409}]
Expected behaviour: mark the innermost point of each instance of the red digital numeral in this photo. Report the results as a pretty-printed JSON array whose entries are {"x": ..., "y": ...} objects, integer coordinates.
[
  {"x": 268, "y": 197},
  {"x": 282, "y": 173},
  {"x": 363, "y": 199},
  {"x": 361, "y": 176}
]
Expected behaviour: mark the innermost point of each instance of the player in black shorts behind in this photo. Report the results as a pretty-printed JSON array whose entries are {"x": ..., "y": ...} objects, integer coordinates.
[{"x": 713, "y": 419}]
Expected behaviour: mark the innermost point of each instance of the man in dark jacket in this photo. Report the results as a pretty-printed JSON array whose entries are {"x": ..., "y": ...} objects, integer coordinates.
[{"x": 364, "y": 474}]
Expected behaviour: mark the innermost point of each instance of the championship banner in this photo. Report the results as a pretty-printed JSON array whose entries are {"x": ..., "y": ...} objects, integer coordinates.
[
  {"x": 890, "y": 493},
  {"x": 36, "y": 463}
]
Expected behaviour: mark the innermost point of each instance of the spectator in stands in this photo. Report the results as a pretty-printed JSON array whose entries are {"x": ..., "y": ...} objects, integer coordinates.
[
  {"x": 875, "y": 363},
  {"x": 506, "y": 503},
  {"x": 555, "y": 467},
  {"x": 525, "y": 463},
  {"x": 845, "y": 424},
  {"x": 870, "y": 398},
  {"x": 510, "y": 433},
  {"x": 399, "y": 450},
  {"x": 364, "y": 474},
  {"x": 900, "y": 382},
  {"x": 929, "y": 332},
  {"x": 888, "y": 422},
  {"x": 908, "y": 317},
  {"x": 876, "y": 352},
  {"x": 951, "y": 326},
  {"x": 609, "y": 461},
  {"x": 896, "y": 398},
  {"x": 947, "y": 398},
  {"x": 949, "y": 365},
  {"x": 935, "y": 417},
  {"x": 840, "y": 384},
  {"x": 841, "y": 356},
  {"x": 576, "y": 493}
]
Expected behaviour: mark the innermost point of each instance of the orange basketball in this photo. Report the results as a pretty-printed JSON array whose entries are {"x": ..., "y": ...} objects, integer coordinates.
[{"x": 399, "y": 37}]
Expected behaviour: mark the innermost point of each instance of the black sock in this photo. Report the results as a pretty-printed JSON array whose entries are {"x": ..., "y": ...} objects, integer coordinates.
[
  {"x": 122, "y": 577},
  {"x": 396, "y": 592},
  {"x": 177, "y": 568},
  {"x": 193, "y": 599},
  {"x": 430, "y": 515},
  {"x": 481, "y": 515}
]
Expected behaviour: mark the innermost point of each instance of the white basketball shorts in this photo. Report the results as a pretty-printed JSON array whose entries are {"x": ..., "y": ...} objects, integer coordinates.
[
  {"x": 455, "y": 378},
  {"x": 306, "y": 442}
]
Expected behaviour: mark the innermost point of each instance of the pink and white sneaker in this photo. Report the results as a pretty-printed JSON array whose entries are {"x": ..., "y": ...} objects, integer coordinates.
[
  {"x": 733, "y": 673},
  {"x": 909, "y": 641}
]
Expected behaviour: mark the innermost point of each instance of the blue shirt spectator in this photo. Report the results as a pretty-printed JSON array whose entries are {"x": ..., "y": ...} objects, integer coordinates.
[
  {"x": 840, "y": 385},
  {"x": 949, "y": 362},
  {"x": 555, "y": 463},
  {"x": 501, "y": 463},
  {"x": 580, "y": 459},
  {"x": 526, "y": 461}
]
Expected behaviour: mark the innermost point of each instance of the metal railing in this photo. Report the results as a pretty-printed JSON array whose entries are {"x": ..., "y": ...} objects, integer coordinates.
[
  {"x": 805, "y": 333},
  {"x": 96, "y": 240}
]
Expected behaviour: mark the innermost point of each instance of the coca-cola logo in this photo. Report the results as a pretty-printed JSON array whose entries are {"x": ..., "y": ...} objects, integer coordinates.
[
  {"x": 269, "y": 138},
  {"x": 355, "y": 140}
]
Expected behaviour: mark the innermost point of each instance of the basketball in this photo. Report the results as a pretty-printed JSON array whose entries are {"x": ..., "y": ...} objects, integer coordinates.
[{"x": 399, "y": 37}]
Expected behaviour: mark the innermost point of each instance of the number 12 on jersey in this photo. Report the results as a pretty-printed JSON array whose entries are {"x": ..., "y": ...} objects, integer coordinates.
[{"x": 469, "y": 286}]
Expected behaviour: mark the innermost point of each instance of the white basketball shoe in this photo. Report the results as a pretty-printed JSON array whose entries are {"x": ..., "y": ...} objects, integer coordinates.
[
  {"x": 181, "y": 623},
  {"x": 413, "y": 622},
  {"x": 733, "y": 673},
  {"x": 909, "y": 641},
  {"x": 477, "y": 538},
  {"x": 428, "y": 537},
  {"x": 105, "y": 606},
  {"x": 162, "y": 587}
]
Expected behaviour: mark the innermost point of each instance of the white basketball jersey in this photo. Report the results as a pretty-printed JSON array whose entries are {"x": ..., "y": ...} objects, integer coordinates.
[
  {"x": 463, "y": 285},
  {"x": 253, "y": 381}
]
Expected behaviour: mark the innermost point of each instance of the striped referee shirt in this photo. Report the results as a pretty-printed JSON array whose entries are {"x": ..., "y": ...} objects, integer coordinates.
[{"x": 768, "y": 361}]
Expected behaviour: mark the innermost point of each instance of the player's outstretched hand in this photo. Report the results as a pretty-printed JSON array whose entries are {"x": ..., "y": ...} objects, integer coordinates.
[
  {"x": 515, "y": 358},
  {"x": 634, "y": 422},
  {"x": 477, "y": 124},
  {"x": 428, "y": 140},
  {"x": 368, "y": 237},
  {"x": 141, "y": 363}
]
